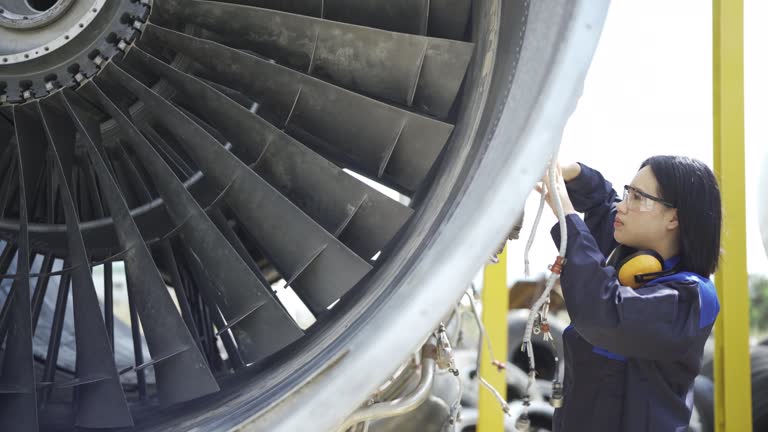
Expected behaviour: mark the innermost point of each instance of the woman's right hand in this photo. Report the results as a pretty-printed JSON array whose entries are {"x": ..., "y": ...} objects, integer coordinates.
[{"x": 560, "y": 190}]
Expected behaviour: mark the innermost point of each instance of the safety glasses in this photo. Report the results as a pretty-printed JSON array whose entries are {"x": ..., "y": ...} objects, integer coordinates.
[{"x": 641, "y": 201}]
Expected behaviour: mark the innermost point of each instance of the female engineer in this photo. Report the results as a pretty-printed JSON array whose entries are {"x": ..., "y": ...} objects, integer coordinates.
[{"x": 636, "y": 286}]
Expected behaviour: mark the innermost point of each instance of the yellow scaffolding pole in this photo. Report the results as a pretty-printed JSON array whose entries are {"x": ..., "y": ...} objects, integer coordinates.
[
  {"x": 733, "y": 392},
  {"x": 495, "y": 302}
]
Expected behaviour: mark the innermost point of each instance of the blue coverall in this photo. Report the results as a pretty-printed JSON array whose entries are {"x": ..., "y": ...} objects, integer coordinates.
[{"x": 631, "y": 355}]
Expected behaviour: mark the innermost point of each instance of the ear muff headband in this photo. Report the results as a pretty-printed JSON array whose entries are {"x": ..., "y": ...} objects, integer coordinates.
[{"x": 641, "y": 267}]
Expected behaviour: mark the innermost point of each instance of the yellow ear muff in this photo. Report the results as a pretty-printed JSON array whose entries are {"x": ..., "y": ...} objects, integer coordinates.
[{"x": 639, "y": 263}]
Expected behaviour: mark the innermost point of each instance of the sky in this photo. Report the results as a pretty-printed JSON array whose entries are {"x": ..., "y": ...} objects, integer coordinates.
[{"x": 649, "y": 92}]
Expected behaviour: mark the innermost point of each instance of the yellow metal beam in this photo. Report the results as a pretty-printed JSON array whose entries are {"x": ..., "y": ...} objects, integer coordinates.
[
  {"x": 733, "y": 400},
  {"x": 495, "y": 301}
]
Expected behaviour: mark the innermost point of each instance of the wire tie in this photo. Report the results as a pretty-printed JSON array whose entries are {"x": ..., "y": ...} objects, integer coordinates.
[{"x": 557, "y": 267}]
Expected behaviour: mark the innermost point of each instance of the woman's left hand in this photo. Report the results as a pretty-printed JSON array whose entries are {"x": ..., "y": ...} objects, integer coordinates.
[{"x": 560, "y": 190}]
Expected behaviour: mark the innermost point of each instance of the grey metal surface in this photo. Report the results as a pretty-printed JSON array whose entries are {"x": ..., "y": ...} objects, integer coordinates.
[
  {"x": 406, "y": 69},
  {"x": 438, "y": 18},
  {"x": 181, "y": 372},
  {"x": 363, "y": 218},
  {"x": 320, "y": 268},
  {"x": 30, "y": 18},
  {"x": 395, "y": 145},
  {"x": 18, "y": 378},
  {"x": 246, "y": 298},
  {"x": 537, "y": 104},
  {"x": 99, "y": 397},
  {"x": 209, "y": 211}
]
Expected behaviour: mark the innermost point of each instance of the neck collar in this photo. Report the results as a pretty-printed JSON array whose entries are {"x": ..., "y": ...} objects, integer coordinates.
[{"x": 671, "y": 262}]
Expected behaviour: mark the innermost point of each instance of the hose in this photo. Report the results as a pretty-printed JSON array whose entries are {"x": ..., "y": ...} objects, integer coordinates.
[{"x": 405, "y": 404}]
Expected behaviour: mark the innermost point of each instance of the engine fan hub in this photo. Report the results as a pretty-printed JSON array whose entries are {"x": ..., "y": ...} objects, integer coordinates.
[
  {"x": 40, "y": 14},
  {"x": 49, "y": 45}
]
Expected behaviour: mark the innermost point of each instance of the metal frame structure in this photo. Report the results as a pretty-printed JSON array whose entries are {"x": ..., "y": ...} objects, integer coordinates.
[
  {"x": 733, "y": 395},
  {"x": 495, "y": 297}
]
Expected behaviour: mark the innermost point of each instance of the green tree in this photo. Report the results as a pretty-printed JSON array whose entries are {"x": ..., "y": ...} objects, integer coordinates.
[{"x": 758, "y": 293}]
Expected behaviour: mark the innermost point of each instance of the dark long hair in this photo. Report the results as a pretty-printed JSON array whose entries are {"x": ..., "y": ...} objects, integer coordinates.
[{"x": 692, "y": 188}]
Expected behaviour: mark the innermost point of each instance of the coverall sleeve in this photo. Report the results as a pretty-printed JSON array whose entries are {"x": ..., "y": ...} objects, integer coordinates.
[
  {"x": 648, "y": 323},
  {"x": 594, "y": 196}
]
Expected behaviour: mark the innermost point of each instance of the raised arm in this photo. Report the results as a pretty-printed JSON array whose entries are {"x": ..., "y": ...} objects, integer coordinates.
[{"x": 594, "y": 196}]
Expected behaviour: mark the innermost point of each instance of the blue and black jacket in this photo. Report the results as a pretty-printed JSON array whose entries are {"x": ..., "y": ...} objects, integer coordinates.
[{"x": 631, "y": 355}]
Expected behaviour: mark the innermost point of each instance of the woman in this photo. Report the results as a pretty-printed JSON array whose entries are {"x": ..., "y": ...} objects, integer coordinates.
[{"x": 631, "y": 355}]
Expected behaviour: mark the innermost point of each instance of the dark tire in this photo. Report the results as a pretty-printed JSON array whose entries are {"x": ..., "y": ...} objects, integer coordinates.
[
  {"x": 704, "y": 402},
  {"x": 545, "y": 354},
  {"x": 542, "y": 418},
  {"x": 759, "y": 360},
  {"x": 707, "y": 355},
  {"x": 759, "y": 374}
]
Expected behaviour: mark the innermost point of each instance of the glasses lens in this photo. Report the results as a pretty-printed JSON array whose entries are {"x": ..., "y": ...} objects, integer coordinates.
[
  {"x": 635, "y": 201},
  {"x": 646, "y": 204}
]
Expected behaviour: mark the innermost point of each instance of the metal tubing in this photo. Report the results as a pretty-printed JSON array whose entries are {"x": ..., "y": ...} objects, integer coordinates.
[{"x": 402, "y": 405}]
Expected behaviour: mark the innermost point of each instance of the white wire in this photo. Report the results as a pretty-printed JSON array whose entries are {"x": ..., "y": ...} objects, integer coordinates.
[
  {"x": 481, "y": 328},
  {"x": 535, "y": 227},
  {"x": 456, "y": 405},
  {"x": 554, "y": 276},
  {"x": 527, "y": 345},
  {"x": 502, "y": 402}
]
